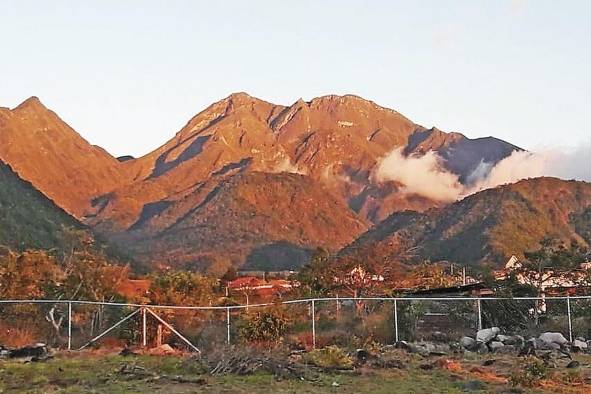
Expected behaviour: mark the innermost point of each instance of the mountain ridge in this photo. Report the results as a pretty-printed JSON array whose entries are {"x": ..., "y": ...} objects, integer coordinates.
[{"x": 333, "y": 143}]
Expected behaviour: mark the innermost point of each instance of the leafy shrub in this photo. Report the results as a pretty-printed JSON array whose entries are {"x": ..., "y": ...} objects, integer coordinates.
[
  {"x": 330, "y": 357},
  {"x": 530, "y": 375},
  {"x": 264, "y": 326}
]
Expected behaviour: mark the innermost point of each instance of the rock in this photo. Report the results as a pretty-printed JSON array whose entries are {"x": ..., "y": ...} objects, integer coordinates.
[
  {"x": 467, "y": 343},
  {"x": 528, "y": 349},
  {"x": 579, "y": 345},
  {"x": 440, "y": 349},
  {"x": 495, "y": 345},
  {"x": 553, "y": 337},
  {"x": 503, "y": 338},
  {"x": 482, "y": 348},
  {"x": 488, "y": 363},
  {"x": 573, "y": 364},
  {"x": 403, "y": 345},
  {"x": 542, "y": 345},
  {"x": 488, "y": 334},
  {"x": 37, "y": 352}
]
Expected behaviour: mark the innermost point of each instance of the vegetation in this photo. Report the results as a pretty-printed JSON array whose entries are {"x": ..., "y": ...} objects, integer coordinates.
[
  {"x": 28, "y": 219},
  {"x": 265, "y": 326},
  {"x": 330, "y": 357}
]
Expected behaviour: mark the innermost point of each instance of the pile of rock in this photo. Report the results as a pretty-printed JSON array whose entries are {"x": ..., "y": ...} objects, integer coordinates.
[
  {"x": 36, "y": 352},
  {"x": 490, "y": 340}
]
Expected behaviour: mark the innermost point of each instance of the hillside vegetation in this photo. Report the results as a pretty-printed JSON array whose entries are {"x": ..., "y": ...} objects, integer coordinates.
[
  {"x": 488, "y": 227},
  {"x": 28, "y": 219}
]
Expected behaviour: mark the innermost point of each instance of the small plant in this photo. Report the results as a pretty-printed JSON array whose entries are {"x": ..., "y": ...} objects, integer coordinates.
[
  {"x": 530, "y": 375},
  {"x": 330, "y": 357},
  {"x": 265, "y": 326},
  {"x": 573, "y": 376}
]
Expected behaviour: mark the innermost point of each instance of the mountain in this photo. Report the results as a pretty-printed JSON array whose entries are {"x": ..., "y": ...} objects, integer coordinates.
[
  {"x": 269, "y": 221},
  {"x": 45, "y": 151},
  {"x": 184, "y": 202},
  {"x": 486, "y": 228},
  {"x": 28, "y": 219}
]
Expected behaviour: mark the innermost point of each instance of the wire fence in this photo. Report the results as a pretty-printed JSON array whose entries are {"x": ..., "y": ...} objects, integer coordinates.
[{"x": 76, "y": 325}]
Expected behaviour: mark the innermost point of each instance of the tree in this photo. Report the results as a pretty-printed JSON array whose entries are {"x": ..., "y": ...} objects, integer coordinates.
[
  {"x": 317, "y": 277},
  {"x": 554, "y": 264}
]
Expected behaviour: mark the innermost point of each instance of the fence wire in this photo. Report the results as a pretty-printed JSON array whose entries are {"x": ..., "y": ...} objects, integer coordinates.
[{"x": 309, "y": 322}]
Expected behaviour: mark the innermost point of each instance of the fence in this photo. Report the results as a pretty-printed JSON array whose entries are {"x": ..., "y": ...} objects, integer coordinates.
[{"x": 76, "y": 325}]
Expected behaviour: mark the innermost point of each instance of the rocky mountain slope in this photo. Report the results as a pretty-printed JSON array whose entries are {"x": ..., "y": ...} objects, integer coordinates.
[
  {"x": 309, "y": 169},
  {"x": 485, "y": 228},
  {"x": 45, "y": 151},
  {"x": 28, "y": 219}
]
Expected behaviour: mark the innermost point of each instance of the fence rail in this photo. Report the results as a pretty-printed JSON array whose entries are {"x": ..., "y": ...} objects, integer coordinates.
[{"x": 477, "y": 304}]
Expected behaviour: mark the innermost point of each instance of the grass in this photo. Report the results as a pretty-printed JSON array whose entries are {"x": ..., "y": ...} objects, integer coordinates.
[
  {"x": 94, "y": 373},
  {"x": 88, "y": 373}
]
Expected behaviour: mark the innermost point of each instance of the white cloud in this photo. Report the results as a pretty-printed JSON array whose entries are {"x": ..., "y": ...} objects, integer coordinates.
[
  {"x": 426, "y": 176},
  {"x": 422, "y": 175}
]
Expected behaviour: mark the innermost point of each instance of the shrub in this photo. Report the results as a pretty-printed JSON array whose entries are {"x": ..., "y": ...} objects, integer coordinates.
[
  {"x": 264, "y": 326},
  {"x": 330, "y": 357},
  {"x": 530, "y": 375}
]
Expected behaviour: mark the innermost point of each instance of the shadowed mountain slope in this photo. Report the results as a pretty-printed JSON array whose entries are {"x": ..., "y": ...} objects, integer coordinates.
[{"x": 28, "y": 219}]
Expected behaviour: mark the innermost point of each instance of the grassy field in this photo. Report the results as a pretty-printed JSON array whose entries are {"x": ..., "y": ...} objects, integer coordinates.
[{"x": 92, "y": 373}]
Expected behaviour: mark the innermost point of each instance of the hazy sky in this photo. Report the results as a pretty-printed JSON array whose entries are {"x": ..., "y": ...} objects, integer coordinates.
[{"x": 128, "y": 75}]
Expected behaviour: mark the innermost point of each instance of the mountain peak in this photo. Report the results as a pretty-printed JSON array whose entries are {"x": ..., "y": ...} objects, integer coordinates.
[{"x": 32, "y": 102}]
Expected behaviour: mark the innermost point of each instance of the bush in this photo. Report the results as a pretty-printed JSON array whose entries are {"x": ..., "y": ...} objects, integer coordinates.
[
  {"x": 530, "y": 375},
  {"x": 330, "y": 357},
  {"x": 265, "y": 326}
]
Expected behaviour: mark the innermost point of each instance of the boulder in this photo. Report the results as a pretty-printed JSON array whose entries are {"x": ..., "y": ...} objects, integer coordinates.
[
  {"x": 553, "y": 337},
  {"x": 495, "y": 345},
  {"x": 579, "y": 345},
  {"x": 482, "y": 348},
  {"x": 488, "y": 334},
  {"x": 467, "y": 343},
  {"x": 36, "y": 352},
  {"x": 503, "y": 338}
]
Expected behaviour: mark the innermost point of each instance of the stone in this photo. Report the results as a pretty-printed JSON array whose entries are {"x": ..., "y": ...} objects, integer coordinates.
[
  {"x": 579, "y": 345},
  {"x": 482, "y": 348},
  {"x": 573, "y": 364},
  {"x": 488, "y": 334},
  {"x": 495, "y": 345},
  {"x": 553, "y": 337},
  {"x": 467, "y": 342},
  {"x": 503, "y": 338}
]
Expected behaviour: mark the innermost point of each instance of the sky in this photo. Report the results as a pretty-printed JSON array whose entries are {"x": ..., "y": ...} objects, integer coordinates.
[{"x": 127, "y": 75}]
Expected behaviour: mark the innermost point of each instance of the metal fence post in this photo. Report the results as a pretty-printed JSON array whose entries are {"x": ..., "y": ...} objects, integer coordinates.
[
  {"x": 313, "y": 324},
  {"x": 479, "y": 314},
  {"x": 69, "y": 326},
  {"x": 570, "y": 322},
  {"x": 228, "y": 323},
  {"x": 144, "y": 328},
  {"x": 396, "y": 319}
]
